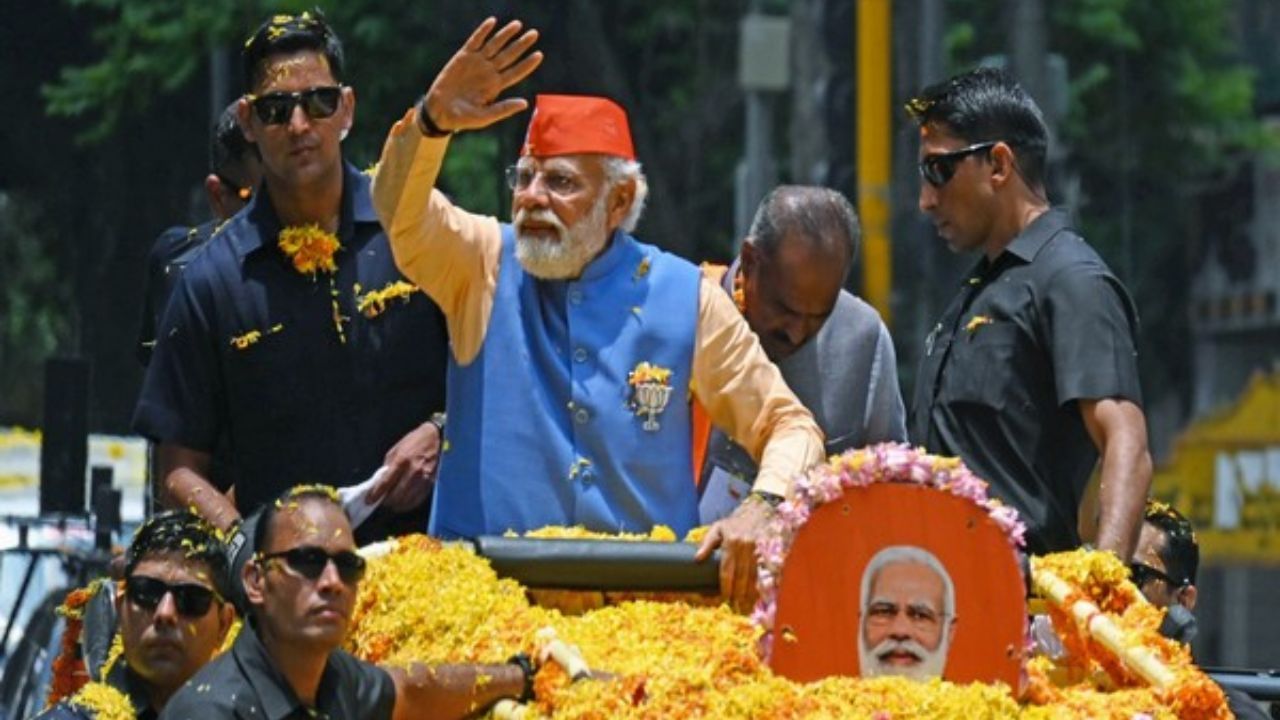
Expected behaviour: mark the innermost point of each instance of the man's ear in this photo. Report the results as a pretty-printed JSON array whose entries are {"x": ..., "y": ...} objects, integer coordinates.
[
  {"x": 226, "y": 617},
  {"x": 750, "y": 255},
  {"x": 243, "y": 109},
  {"x": 213, "y": 192},
  {"x": 252, "y": 577},
  {"x": 348, "y": 109},
  {"x": 619, "y": 203},
  {"x": 951, "y": 631},
  {"x": 1186, "y": 597},
  {"x": 1003, "y": 164}
]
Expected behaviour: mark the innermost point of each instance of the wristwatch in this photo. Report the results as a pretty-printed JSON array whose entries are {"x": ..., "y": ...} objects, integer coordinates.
[{"x": 426, "y": 124}]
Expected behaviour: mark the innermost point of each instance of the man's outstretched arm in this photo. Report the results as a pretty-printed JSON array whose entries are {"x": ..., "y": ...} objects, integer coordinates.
[
  {"x": 448, "y": 692},
  {"x": 448, "y": 252}
]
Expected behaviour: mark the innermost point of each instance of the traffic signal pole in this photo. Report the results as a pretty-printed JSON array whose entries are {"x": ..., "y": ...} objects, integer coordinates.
[{"x": 874, "y": 148}]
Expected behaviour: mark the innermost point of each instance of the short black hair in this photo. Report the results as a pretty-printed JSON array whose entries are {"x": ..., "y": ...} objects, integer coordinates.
[
  {"x": 1181, "y": 553},
  {"x": 283, "y": 34},
  {"x": 262, "y": 530},
  {"x": 987, "y": 105},
  {"x": 185, "y": 533},
  {"x": 228, "y": 145},
  {"x": 816, "y": 213}
]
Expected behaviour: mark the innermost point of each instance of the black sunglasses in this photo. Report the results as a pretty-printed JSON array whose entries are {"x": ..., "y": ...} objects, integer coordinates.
[
  {"x": 939, "y": 168},
  {"x": 310, "y": 561},
  {"x": 1143, "y": 574},
  {"x": 277, "y": 107},
  {"x": 190, "y": 599}
]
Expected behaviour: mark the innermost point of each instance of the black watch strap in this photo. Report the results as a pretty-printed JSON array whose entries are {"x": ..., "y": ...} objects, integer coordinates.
[
  {"x": 525, "y": 664},
  {"x": 426, "y": 124}
]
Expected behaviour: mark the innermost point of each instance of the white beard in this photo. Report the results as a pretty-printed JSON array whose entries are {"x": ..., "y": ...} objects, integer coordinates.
[
  {"x": 931, "y": 664},
  {"x": 566, "y": 255}
]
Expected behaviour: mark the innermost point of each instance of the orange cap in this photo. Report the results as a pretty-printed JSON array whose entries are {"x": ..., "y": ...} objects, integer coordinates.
[{"x": 573, "y": 124}]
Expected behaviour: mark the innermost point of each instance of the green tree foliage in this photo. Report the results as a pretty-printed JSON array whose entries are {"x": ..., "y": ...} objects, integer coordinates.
[{"x": 35, "y": 312}]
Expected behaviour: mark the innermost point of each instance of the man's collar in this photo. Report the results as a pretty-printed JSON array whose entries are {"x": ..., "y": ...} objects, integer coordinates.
[
  {"x": 124, "y": 679},
  {"x": 621, "y": 246},
  {"x": 1034, "y": 236},
  {"x": 730, "y": 276},
  {"x": 274, "y": 692},
  {"x": 356, "y": 207}
]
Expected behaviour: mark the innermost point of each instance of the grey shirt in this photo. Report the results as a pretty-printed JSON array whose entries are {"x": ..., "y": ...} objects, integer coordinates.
[{"x": 846, "y": 375}]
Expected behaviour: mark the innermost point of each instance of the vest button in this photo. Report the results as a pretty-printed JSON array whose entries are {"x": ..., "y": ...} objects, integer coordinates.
[
  {"x": 581, "y": 416},
  {"x": 580, "y": 355},
  {"x": 575, "y": 296}
]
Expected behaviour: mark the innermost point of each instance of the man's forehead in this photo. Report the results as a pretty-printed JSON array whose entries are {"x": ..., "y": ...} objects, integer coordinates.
[
  {"x": 296, "y": 68},
  {"x": 936, "y": 137},
  {"x": 897, "y": 574},
  {"x": 172, "y": 565},
  {"x": 1151, "y": 543},
  {"x": 310, "y": 520}
]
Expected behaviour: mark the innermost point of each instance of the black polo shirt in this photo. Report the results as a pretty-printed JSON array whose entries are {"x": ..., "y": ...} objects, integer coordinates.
[
  {"x": 169, "y": 255},
  {"x": 245, "y": 684},
  {"x": 1043, "y": 325},
  {"x": 297, "y": 402}
]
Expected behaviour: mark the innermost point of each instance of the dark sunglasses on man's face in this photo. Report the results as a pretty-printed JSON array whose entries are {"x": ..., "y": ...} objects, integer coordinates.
[
  {"x": 276, "y": 108},
  {"x": 1143, "y": 574},
  {"x": 937, "y": 169},
  {"x": 310, "y": 562},
  {"x": 191, "y": 600}
]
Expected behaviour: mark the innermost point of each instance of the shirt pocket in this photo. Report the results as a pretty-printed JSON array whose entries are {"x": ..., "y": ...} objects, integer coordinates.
[
  {"x": 982, "y": 365},
  {"x": 264, "y": 385}
]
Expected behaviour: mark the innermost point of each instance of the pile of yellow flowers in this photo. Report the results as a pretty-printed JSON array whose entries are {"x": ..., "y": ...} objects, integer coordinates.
[{"x": 434, "y": 603}]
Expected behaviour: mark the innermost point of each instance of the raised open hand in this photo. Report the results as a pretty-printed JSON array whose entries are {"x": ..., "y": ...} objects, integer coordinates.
[{"x": 464, "y": 95}]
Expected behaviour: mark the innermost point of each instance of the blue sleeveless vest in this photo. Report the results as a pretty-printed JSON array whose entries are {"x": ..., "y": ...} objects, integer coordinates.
[{"x": 543, "y": 428}]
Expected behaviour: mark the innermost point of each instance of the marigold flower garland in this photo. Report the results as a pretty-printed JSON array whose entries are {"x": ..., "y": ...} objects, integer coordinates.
[
  {"x": 104, "y": 702},
  {"x": 69, "y": 672}
]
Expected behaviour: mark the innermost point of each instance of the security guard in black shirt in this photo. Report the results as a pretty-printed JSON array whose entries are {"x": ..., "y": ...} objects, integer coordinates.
[
  {"x": 170, "y": 611},
  {"x": 1032, "y": 371},
  {"x": 287, "y": 662},
  {"x": 233, "y": 174},
  {"x": 307, "y": 350}
]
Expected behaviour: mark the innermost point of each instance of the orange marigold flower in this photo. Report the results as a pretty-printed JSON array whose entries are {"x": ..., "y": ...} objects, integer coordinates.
[{"x": 310, "y": 248}]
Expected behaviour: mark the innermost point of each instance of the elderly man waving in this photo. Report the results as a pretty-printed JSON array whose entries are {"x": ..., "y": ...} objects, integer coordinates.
[{"x": 575, "y": 348}]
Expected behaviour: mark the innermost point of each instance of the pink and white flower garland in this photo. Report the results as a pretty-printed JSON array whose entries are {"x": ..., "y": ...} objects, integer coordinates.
[{"x": 887, "y": 462}]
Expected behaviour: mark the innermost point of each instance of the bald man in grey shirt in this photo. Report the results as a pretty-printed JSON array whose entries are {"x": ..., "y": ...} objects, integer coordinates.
[{"x": 832, "y": 348}]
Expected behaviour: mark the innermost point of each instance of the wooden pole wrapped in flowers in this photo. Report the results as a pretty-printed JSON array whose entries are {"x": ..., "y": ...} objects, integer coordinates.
[{"x": 1113, "y": 643}]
